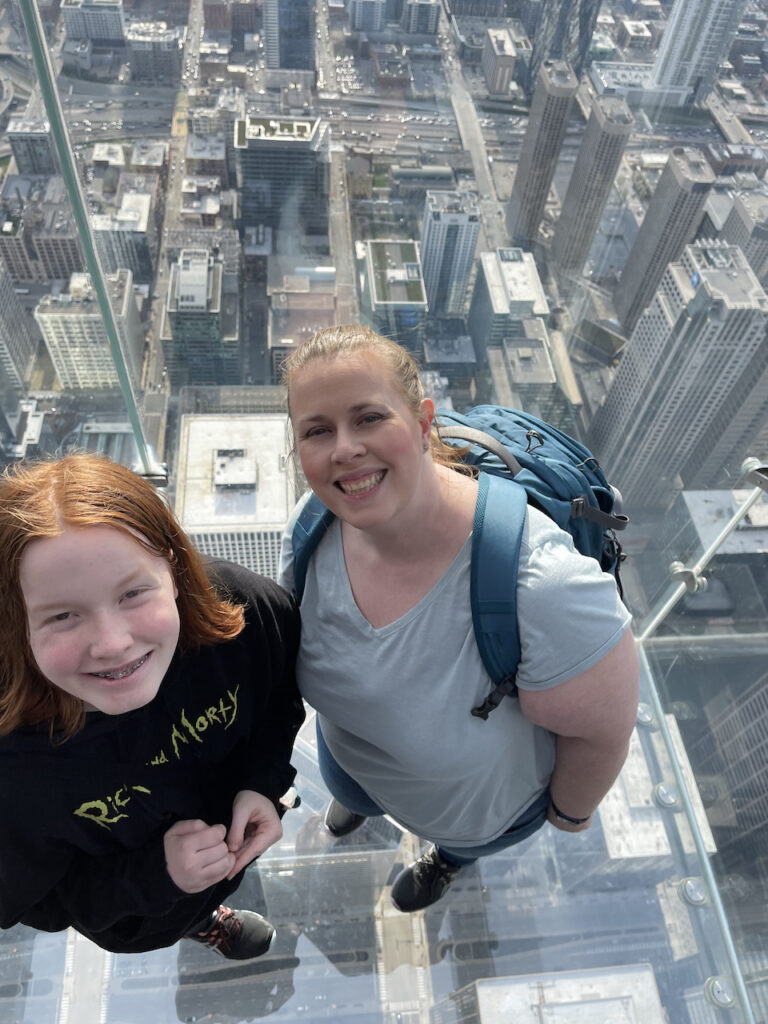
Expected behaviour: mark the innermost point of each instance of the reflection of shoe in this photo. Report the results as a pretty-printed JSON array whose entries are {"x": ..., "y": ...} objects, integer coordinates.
[
  {"x": 339, "y": 821},
  {"x": 424, "y": 882},
  {"x": 236, "y": 934}
]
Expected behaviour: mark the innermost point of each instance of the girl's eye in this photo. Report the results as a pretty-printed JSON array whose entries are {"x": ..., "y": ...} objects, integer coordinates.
[
  {"x": 61, "y": 616},
  {"x": 132, "y": 593}
]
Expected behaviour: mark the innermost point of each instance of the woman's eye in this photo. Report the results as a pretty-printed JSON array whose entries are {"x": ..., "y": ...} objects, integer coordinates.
[
  {"x": 61, "y": 616},
  {"x": 372, "y": 417},
  {"x": 316, "y": 432},
  {"x": 132, "y": 593}
]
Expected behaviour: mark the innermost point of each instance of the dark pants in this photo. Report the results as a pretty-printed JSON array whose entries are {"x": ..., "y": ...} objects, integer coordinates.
[{"x": 344, "y": 789}]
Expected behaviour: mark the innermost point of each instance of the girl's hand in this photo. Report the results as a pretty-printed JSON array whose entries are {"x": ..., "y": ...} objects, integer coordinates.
[
  {"x": 255, "y": 827},
  {"x": 196, "y": 855}
]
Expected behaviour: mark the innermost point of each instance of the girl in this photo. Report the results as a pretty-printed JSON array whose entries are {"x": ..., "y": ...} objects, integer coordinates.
[
  {"x": 388, "y": 656},
  {"x": 148, "y": 710}
]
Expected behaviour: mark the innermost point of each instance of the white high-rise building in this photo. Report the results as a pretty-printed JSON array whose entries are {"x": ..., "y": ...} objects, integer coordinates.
[
  {"x": 692, "y": 387},
  {"x": 235, "y": 486},
  {"x": 448, "y": 239},
  {"x": 76, "y": 336},
  {"x": 697, "y": 38}
]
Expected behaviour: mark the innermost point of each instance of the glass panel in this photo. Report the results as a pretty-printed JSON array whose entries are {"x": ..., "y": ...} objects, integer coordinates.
[{"x": 251, "y": 172}]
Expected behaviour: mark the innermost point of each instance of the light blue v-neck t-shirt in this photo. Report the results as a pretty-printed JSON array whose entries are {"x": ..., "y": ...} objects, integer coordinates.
[{"x": 394, "y": 703}]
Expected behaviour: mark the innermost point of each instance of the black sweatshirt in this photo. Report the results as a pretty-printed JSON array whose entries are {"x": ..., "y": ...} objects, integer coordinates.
[{"x": 82, "y": 822}]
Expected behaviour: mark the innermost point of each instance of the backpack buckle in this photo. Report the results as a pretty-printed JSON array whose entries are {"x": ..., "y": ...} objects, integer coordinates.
[{"x": 505, "y": 688}]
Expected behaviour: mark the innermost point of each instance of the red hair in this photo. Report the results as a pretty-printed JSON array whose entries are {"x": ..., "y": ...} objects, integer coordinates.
[{"x": 42, "y": 500}]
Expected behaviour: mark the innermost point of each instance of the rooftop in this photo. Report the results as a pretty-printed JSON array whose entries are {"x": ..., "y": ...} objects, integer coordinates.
[
  {"x": 394, "y": 270},
  {"x": 231, "y": 471}
]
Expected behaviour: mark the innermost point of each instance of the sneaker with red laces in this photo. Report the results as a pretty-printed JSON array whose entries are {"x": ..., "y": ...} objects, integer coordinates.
[
  {"x": 423, "y": 882},
  {"x": 236, "y": 934}
]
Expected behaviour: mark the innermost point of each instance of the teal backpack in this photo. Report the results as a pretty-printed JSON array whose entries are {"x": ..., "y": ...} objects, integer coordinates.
[{"x": 521, "y": 460}]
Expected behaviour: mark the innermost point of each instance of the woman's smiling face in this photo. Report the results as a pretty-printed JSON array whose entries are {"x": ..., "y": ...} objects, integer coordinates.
[
  {"x": 362, "y": 448},
  {"x": 102, "y": 616}
]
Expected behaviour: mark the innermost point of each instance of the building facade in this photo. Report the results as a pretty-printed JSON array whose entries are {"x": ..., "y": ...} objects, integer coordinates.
[
  {"x": 563, "y": 31},
  {"x": 697, "y": 38},
  {"x": 367, "y": 15},
  {"x": 499, "y": 60},
  {"x": 507, "y": 291},
  {"x": 669, "y": 223},
  {"x": 289, "y": 34},
  {"x": 548, "y": 119},
  {"x": 76, "y": 337},
  {"x": 282, "y": 172},
  {"x": 102, "y": 21},
  {"x": 31, "y": 145},
  {"x": 18, "y": 343},
  {"x": 448, "y": 238},
  {"x": 695, "y": 370},
  {"x": 200, "y": 335},
  {"x": 607, "y": 132}
]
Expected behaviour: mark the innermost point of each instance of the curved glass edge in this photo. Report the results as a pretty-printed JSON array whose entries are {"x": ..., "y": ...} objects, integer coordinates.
[{"x": 147, "y": 463}]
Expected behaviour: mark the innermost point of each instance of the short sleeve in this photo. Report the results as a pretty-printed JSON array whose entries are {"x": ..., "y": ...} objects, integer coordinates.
[{"x": 569, "y": 611}]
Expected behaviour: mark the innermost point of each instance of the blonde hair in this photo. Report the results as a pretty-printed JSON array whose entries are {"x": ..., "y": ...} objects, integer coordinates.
[
  {"x": 344, "y": 339},
  {"x": 44, "y": 499}
]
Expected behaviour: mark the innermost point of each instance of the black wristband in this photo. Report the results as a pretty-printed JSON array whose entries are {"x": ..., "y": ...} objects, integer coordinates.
[{"x": 567, "y": 817}]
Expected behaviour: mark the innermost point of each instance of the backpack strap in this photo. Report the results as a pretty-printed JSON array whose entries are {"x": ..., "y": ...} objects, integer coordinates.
[
  {"x": 308, "y": 530},
  {"x": 487, "y": 441},
  {"x": 497, "y": 533}
]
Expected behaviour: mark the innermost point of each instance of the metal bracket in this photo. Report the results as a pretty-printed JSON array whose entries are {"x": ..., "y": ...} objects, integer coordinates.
[
  {"x": 158, "y": 475},
  {"x": 756, "y": 473},
  {"x": 693, "y": 582}
]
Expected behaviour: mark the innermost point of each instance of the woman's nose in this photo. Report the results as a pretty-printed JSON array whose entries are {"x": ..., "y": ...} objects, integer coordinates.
[{"x": 347, "y": 447}]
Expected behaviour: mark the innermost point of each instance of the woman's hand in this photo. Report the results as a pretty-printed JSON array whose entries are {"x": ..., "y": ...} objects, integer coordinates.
[
  {"x": 255, "y": 827},
  {"x": 196, "y": 855}
]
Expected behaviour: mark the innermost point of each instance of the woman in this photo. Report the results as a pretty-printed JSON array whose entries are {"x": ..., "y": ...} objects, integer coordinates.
[
  {"x": 388, "y": 656},
  {"x": 148, "y": 709}
]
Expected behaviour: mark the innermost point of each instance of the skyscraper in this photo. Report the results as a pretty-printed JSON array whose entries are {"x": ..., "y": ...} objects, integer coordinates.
[
  {"x": 76, "y": 337},
  {"x": 448, "y": 238},
  {"x": 608, "y": 129},
  {"x": 563, "y": 32},
  {"x": 692, "y": 385},
  {"x": 697, "y": 38},
  {"x": 669, "y": 223},
  {"x": 31, "y": 144},
  {"x": 289, "y": 34},
  {"x": 747, "y": 227},
  {"x": 282, "y": 170},
  {"x": 547, "y": 122},
  {"x": 200, "y": 333},
  {"x": 17, "y": 339}
]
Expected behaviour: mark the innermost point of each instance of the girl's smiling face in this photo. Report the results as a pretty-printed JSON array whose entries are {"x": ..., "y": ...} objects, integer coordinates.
[
  {"x": 361, "y": 446},
  {"x": 102, "y": 617}
]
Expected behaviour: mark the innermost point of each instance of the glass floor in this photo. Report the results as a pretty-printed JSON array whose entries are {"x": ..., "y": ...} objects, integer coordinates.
[{"x": 615, "y": 925}]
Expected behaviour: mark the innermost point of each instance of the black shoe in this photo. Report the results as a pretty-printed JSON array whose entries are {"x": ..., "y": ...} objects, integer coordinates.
[
  {"x": 424, "y": 882},
  {"x": 339, "y": 821},
  {"x": 236, "y": 934}
]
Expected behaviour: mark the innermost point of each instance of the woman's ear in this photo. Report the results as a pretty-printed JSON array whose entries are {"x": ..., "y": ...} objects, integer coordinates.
[{"x": 426, "y": 418}]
